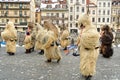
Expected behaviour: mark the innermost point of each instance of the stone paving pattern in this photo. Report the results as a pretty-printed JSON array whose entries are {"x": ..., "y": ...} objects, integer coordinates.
[{"x": 32, "y": 66}]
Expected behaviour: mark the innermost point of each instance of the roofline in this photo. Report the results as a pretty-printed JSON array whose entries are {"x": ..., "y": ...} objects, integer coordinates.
[{"x": 15, "y": 1}]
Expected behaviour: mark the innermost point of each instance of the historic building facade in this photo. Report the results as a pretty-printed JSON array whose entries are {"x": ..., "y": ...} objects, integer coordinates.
[
  {"x": 103, "y": 12},
  {"x": 18, "y": 11},
  {"x": 92, "y": 11},
  {"x": 115, "y": 16},
  {"x": 76, "y": 7},
  {"x": 55, "y": 11}
]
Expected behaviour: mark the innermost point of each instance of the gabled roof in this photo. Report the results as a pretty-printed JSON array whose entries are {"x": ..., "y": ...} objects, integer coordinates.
[{"x": 88, "y": 2}]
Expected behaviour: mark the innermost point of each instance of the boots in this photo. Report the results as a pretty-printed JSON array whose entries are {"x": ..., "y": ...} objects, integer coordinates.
[
  {"x": 65, "y": 48},
  {"x": 32, "y": 49},
  {"x": 76, "y": 54},
  {"x": 88, "y": 77},
  {"x": 49, "y": 60},
  {"x": 41, "y": 52},
  {"x": 58, "y": 60},
  {"x": 11, "y": 53},
  {"x": 28, "y": 51}
]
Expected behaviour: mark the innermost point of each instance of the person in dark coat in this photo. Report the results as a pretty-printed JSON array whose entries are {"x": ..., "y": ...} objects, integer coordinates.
[{"x": 106, "y": 41}]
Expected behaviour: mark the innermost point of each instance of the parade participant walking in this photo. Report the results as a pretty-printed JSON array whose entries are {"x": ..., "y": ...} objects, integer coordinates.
[
  {"x": 39, "y": 36},
  {"x": 106, "y": 41},
  {"x": 32, "y": 31},
  {"x": 28, "y": 43},
  {"x": 64, "y": 39},
  {"x": 52, "y": 51},
  {"x": 10, "y": 37},
  {"x": 89, "y": 41}
]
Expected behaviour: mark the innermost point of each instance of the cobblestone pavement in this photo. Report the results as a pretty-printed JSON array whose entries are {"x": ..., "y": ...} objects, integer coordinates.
[{"x": 32, "y": 66}]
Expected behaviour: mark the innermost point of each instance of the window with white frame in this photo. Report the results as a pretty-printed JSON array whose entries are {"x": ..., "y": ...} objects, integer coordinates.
[
  {"x": 36, "y": 15},
  {"x": 15, "y": 12},
  {"x": 71, "y": 17},
  {"x": 57, "y": 22},
  {"x": 99, "y": 4},
  {"x": 83, "y": 10},
  {"x": 113, "y": 19},
  {"x": 57, "y": 14},
  {"x": 70, "y": 24},
  {"x": 16, "y": 21},
  {"x": 119, "y": 3},
  {"x": 63, "y": 15},
  {"x": 99, "y": 12},
  {"x": 16, "y": 5},
  {"x": 76, "y": 24},
  {"x": 108, "y": 19},
  {"x": 114, "y": 11},
  {"x": 103, "y": 20},
  {"x": 89, "y": 11},
  {"x": 25, "y": 12},
  {"x": 108, "y": 4},
  {"x": 71, "y": 9},
  {"x": 119, "y": 11},
  {"x": 20, "y": 19},
  {"x": 11, "y": 4},
  {"x": 2, "y": 12},
  {"x": 104, "y": 4},
  {"x": 71, "y": 1},
  {"x": 77, "y": 1},
  {"x": 103, "y": 12},
  {"x": 83, "y": 1},
  {"x": 93, "y": 19},
  {"x": 3, "y": 20},
  {"x": 77, "y": 16},
  {"x": 7, "y": 20},
  {"x": 99, "y": 20},
  {"x": 25, "y": 20},
  {"x": 52, "y": 14},
  {"x": 48, "y": 14},
  {"x": 108, "y": 12},
  {"x": 93, "y": 11},
  {"x": 78, "y": 9}
]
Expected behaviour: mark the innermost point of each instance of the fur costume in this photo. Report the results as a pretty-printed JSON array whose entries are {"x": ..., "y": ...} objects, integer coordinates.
[
  {"x": 50, "y": 26},
  {"x": 34, "y": 31},
  {"x": 10, "y": 36},
  {"x": 27, "y": 42},
  {"x": 65, "y": 41},
  {"x": 39, "y": 37},
  {"x": 88, "y": 46},
  {"x": 106, "y": 42},
  {"x": 51, "y": 50}
]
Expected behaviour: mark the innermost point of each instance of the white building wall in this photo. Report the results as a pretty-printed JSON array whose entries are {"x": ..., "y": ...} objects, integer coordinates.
[
  {"x": 77, "y": 6},
  {"x": 103, "y": 7}
]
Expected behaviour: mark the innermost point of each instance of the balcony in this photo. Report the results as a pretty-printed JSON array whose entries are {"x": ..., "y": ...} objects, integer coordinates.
[
  {"x": 14, "y": 8},
  {"x": 53, "y": 18},
  {"x": 7, "y": 16},
  {"x": 23, "y": 23}
]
